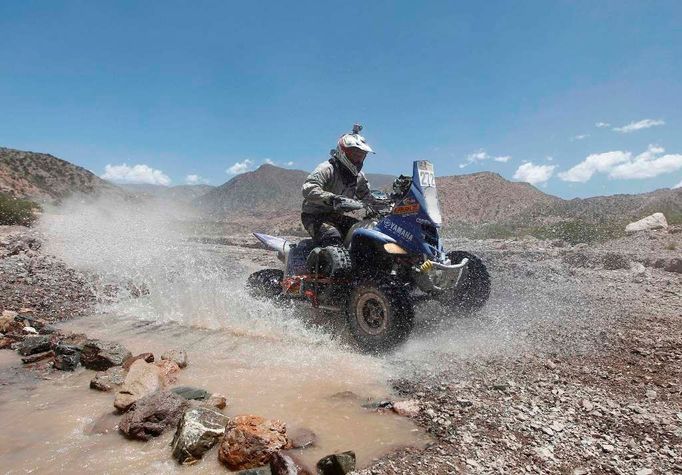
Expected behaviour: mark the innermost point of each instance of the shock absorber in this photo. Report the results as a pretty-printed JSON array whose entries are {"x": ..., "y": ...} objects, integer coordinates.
[{"x": 426, "y": 266}]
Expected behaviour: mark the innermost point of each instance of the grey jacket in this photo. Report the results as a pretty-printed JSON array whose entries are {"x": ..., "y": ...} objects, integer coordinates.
[{"x": 326, "y": 181}]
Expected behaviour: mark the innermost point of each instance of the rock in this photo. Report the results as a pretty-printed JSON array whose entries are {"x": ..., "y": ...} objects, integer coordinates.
[
  {"x": 179, "y": 357},
  {"x": 30, "y": 331},
  {"x": 337, "y": 464},
  {"x": 34, "y": 344},
  {"x": 651, "y": 394},
  {"x": 142, "y": 380},
  {"x": 644, "y": 471},
  {"x": 301, "y": 438},
  {"x": 265, "y": 470},
  {"x": 35, "y": 357},
  {"x": 6, "y": 342},
  {"x": 250, "y": 441},
  {"x": 283, "y": 464},
  {"x": 148, "y": 357},
  {"x": 189, "y": 392},
  {"x": 587, "y": 405},
  {"x": 151, "y": 415},
  {"x": 199, "y": 430},
  {"x": 465, "y": 402},
  {"x": 67, "y": 362},
  {"x": 169, "y": 370},
  {"x": 607, "y": 448},
  {"x": 615, "y": 261},
  {"x": 107, "y": 380},
  {"x": 65, "y": 349},
  {"x": 8, "y": 324},
  {"x": 654, "y": 221},
  {"x": 9, "y": 314},
  {"x": 378, "y": 405},
  {"x": 216, "y": 400},
  {"x": 409, "y": 408},
  {"x": 101, "y": 355},
  {"x": 637, "y": 268}
]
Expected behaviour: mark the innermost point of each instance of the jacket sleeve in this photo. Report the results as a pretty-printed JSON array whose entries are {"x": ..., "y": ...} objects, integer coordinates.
[
  {"x": 362, "y": 191},
  {"x": 313, "y": 187}
]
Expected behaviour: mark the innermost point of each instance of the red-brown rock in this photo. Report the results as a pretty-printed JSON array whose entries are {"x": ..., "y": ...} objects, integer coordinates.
[
  {"x": 250, "y": 441},
  {"x": 148, "y": 357},
  {"x": 169, "y": 371}
]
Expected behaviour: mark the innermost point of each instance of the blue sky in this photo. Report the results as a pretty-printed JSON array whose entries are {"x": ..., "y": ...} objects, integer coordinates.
[{"x": 172, "y": 89}]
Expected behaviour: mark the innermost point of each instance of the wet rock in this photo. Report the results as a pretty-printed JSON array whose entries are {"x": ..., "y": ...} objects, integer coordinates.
[
  {"x": 148, "y": 357},
  {"x": 189, "y": 392},
  {"x": 169, "y": 371},
  {"x": 109, "y": 379},
  {"x": 65, "y": 349},
  {"x": 151, "y": 415},
  {"x": 76, "y": 340},
  {"x": 265, "y": 470},
  {"x": 301, "y": 438},
  {"x": 337, "y": 464},
  {"x": 67, "y": 362},
  {"x": 284, "y": 464},
  {"x": 250, "y": 441},
  {"x": 101, "y": 355},
  {"x": 142, "y": 380},
  {"x": 199, "y": 430},
  {"x": 104, "y": 424},
  {"x": 217, "y": 401},
  {"x": 34, "y": 344},
  {"x": 378, "y": 405},
  {"x": 409, "y": 408},
  {"x": 345, "y": 396},
  {"x": 35, "y": 357},
  {"x": 654, "y": 221},
  {"x": 177, "y": 356}
]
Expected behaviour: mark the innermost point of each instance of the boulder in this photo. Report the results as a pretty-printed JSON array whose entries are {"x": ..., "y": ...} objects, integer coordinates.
[
  {"x": 199, "y": 430},
  {"x": 283, "y": 464},
  {"x": 148, "y": 357},
  {"x": 250, "y": 441},
  {"x": 169, "y": 370},
  {"x": 337, "y": 464},
  {"x": 151, "y": 415},
  {"x": 301, "y": 438},
  {"x": 34, "y": 358},
  {"x": 177, "y": 356},
  {"x": 35, "y": 344},
  {"x": 655, "y": 221},
  {"x": 101, "y": 355},
  {"x": 67, "y": 362},
  {"x": 409, "y": 408},
  {"x": 142, "y": 380},
  {"x": 107, "y": 380},
  {"x": 217, "y": 401},
  {"x": 189, "y": 392},
  {"x": 103, "y": 424}
]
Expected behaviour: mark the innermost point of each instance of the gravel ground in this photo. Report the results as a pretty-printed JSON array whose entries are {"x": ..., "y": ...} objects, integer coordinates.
[{"x": 577, "y": 367}]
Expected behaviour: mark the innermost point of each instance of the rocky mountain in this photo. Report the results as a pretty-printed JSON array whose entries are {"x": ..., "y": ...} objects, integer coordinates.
[
  {"x": 487, "y": 197},
  {"x": 45, "y": 178},
  {"x": 184, "y": 194},
  {"x": 268, "y": 192}
]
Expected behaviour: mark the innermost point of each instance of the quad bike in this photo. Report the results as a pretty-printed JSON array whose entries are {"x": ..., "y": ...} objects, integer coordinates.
[{"x": 390, "y": 260}]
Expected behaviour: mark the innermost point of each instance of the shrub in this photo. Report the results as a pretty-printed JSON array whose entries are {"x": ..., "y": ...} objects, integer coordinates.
[{"x": 15, "y": 211}]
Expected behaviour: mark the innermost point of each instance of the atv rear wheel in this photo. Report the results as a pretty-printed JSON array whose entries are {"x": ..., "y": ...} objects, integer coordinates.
[
  {"x": 380, "y": 315},
  {"x": 473, "y": 291},
  {"x": 265, "y": 283}
]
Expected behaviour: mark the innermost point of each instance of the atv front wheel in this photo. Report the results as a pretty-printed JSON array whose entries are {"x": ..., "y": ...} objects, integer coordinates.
[
  {"x": 380, "y": 315},
  {"x": 265, "y": 283},
  {"x": 474, "y": 288}
]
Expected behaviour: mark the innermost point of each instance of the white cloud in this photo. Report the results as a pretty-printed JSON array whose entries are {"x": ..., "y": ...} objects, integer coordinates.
[
  {"x": 268, "y": 161},
  {"x": 290, "y": 164},
  {"x": 240, "y": 167},
  {"x": 195, "y": 180},
  {"x": 679, "y": 185},
  {"x": 598, "y": 162},
  {"x": 136, "y": 174},
  {"x": 549, "y": 159},
  {"x": 481, "y": 155},
  {"x": 534, "y": 174},
  {"x": 622, "y": 165},
  {"x": 639, "y": 125},
  {"x": 647, "y": 165},
  {"x": 580, "y": 137},
  {"x": 601, "y": 125}
]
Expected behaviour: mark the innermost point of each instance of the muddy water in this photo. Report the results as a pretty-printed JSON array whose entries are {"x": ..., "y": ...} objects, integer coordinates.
[{"x": 51, "y": 423}]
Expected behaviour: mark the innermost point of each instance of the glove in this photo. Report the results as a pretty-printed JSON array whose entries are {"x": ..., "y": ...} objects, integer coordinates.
[{"x": 344, "y": 204}]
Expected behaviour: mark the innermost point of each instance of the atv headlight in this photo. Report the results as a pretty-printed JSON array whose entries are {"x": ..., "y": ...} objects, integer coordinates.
[{"x": 393, "y": 248}]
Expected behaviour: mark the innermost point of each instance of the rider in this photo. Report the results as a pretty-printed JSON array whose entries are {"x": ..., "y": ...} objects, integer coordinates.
[{"x": 332, "y": 188}]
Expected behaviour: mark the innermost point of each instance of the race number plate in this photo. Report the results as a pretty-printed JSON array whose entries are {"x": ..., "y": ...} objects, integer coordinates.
[{"x": 427, "y": 178}]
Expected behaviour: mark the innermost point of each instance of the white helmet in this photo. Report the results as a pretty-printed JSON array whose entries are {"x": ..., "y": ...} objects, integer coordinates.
[{"x": 346, "y": 143}]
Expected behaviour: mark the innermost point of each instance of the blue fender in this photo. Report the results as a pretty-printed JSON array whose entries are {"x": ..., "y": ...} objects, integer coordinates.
[{"x": 372, "y": 234}]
